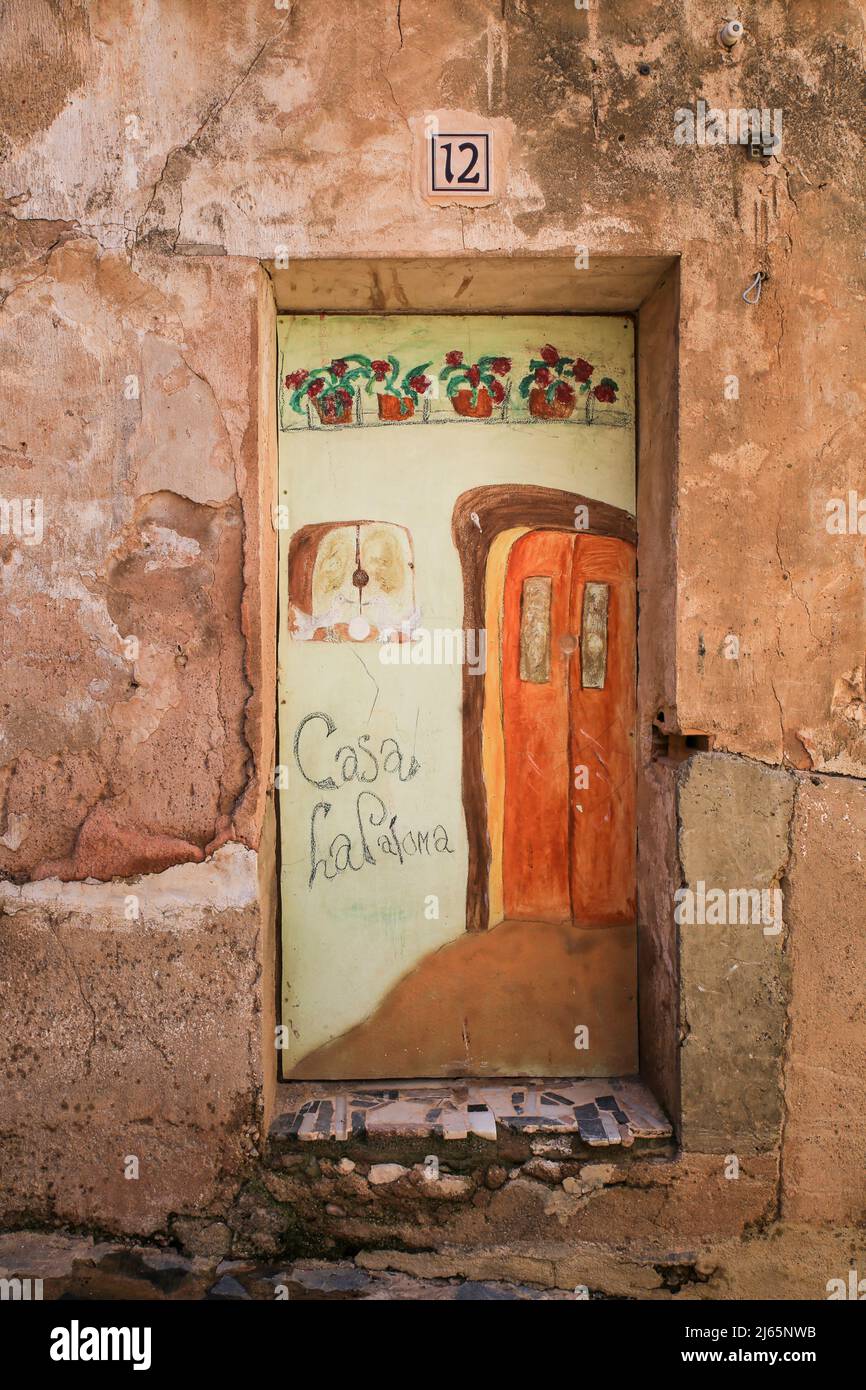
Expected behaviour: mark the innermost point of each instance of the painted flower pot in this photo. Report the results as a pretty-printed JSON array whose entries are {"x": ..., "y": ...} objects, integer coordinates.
[
  {"x": 483, "y": 407},
  {"x": 595, "y": 407},
  {"x": 544, "y": 409},
  {"x": 395, "y": 407},
  {"x": 333, "y": 412},
  {"x": 599, "y": 401}
]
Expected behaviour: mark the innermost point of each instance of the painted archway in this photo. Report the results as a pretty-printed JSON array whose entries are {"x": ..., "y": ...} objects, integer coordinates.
[{"x": 480, "y": 516}]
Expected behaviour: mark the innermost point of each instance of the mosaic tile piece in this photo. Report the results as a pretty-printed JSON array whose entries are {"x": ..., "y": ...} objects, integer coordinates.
[
  {"x": 341, "y": 1118},
  {"x": 610, "y": 1127},
  {"x": 454, "y": 1125},
  {"x": 586, "y": 1112},
  {"x": 482, "y": 1121},
  {"x": 610, "y": 1103},
  {"x": 399, "y": 1117},
  {"x": 554, "y": 1098},
  {"x": 592, "y": 1132}
]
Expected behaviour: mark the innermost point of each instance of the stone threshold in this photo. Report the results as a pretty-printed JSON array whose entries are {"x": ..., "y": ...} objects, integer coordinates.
[{"x": 599, "y": 1112}]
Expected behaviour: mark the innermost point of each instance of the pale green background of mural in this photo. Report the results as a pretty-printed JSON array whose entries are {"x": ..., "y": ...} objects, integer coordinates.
[{"x": 346, "y": 943}]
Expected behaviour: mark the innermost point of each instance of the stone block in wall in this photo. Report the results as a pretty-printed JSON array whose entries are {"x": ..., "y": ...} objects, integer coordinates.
[
  {"x": 658, "y": 965},
  {"x": 734, "y": 821},
  {"x": 129, "y": 1040},
  {"x": 824, "y": 1151}
]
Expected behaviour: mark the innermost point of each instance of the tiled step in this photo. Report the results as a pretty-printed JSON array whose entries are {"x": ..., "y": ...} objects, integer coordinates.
[{"x": 599, "y": 1112}]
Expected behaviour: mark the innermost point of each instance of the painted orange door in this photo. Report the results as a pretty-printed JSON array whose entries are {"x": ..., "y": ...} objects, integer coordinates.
[
  {"x": 535, "y": 868},
  {"x": 568, "y": 691}
]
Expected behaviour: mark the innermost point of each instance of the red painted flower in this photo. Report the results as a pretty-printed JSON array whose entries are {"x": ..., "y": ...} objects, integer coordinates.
[
  {"x": 582, "y": 369},
  {"x": 497, "y": 391},
  {"x": 454, "y": 359},
  {"x": 339, "y": 367},
  {"x": 344, "y": 396},
  {"x": 501, "y": 365},
  {"x": 605, "y": 393},
  {"x": 473, "y": 376},
  {"x": 296, "y": 379},
  {"x": 380, "y": 369},
  {"x": 564, "y": 393},
  {"x": 316, "y": 387},
  {"x": 542, "y": 376},
  {"x": 550, "y": 355},
  {"x": 419, "y": 383}
]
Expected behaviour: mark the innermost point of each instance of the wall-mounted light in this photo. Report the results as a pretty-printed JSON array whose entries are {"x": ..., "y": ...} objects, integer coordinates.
[{"x": 731, "y": 32}]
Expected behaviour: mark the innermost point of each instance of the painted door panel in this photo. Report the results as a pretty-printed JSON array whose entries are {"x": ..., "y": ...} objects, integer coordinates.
[
  {"x": 536, "y": 858},
  {"x": 602, "y": 740},
  {"x": 392, "y": 777},
  {"x": 568, "y": 852}
]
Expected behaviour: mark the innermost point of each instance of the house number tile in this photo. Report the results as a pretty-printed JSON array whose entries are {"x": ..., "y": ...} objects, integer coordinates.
[
  {"x": 460, "y": 157},
  {"x": 460, "y": 162}
]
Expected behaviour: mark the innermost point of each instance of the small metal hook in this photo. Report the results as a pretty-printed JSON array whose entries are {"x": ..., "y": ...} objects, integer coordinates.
[{"x": 755, "y": 287}]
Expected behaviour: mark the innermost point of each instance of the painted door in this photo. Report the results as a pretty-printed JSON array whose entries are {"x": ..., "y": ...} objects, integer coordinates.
[
  {"x": 446, "y": 910},
  {"x": 568, "y": 681}
]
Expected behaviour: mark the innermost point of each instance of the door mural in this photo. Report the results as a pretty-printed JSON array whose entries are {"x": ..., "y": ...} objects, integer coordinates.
[{"x": 457, "y": 672}]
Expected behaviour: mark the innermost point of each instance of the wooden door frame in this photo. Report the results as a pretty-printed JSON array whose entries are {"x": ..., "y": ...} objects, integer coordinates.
[{"x": 494, "y": 509}]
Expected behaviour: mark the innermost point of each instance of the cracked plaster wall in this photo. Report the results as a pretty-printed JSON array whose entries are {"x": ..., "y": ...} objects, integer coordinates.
[{"x": 163, "y": 154}]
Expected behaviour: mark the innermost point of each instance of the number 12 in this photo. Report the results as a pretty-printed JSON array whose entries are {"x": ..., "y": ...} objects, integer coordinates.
[{"x": 467, "y": 172}]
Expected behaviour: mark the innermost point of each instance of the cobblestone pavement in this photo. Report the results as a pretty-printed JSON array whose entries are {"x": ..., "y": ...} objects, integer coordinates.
[{"x": 61, "y": 1267}]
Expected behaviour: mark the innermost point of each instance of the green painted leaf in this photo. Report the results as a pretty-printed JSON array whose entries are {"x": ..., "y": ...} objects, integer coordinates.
[{"x": 353, "y": 375}]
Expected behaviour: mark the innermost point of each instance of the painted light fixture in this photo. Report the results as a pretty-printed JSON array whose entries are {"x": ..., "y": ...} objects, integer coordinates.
[{"x": 351, "y": 581}]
